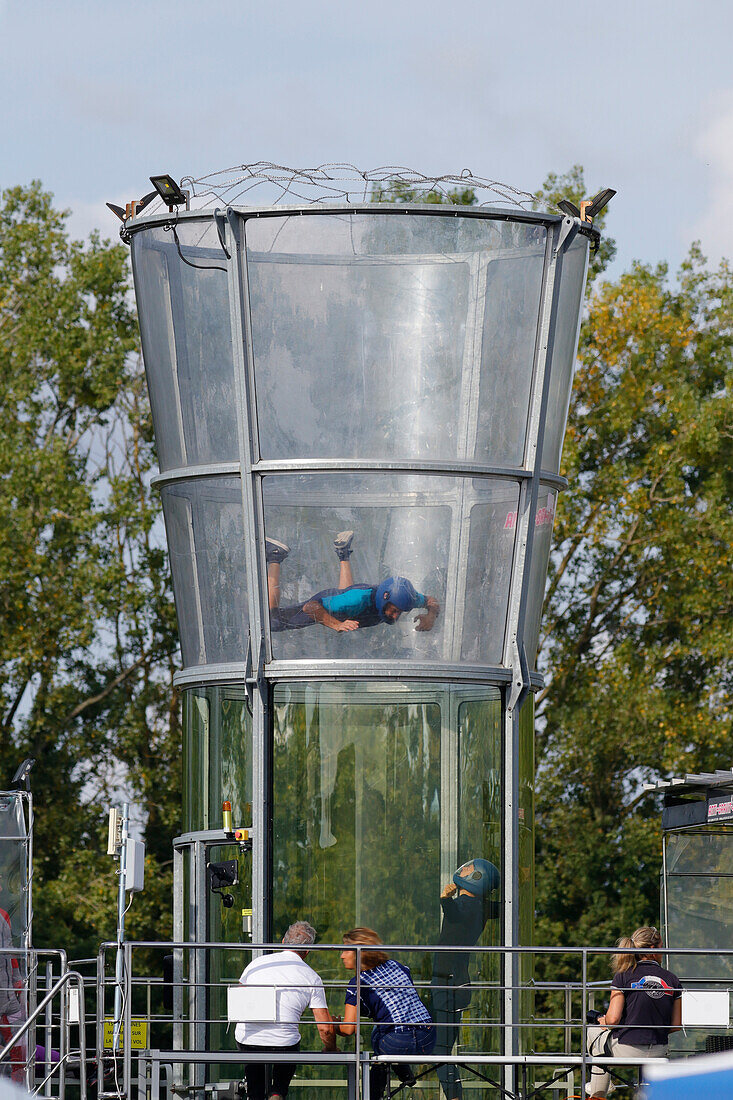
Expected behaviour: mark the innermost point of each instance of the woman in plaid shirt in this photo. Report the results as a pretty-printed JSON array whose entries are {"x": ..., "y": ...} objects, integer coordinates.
[{"x": 388, "y": 996}]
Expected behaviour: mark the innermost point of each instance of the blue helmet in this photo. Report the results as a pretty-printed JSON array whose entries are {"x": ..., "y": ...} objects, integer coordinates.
[
  {"x": 481, "y": 881},
  {"x": 399, "y": 592}
]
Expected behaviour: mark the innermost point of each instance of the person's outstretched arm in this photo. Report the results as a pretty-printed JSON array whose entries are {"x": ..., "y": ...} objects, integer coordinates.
[
  {"x": 318, "y": 613},
  {"x": 348, "y": 1025},
  {"x": 427, "y": 621},
  {"x": 326, "y": 1028}
]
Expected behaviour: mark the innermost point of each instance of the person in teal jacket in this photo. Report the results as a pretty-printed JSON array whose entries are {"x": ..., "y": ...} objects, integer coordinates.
[{"x": 350, "y": 606}]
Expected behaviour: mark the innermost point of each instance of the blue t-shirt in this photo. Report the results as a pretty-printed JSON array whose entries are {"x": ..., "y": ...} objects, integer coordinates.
[
  {"x": 389, "y": 997},
  {"x": 356, "y": 602}
]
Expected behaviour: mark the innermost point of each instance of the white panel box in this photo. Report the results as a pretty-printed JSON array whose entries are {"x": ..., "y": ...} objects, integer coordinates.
[
  {"x": 705, "y": 1007},
  {"x": 135, "y": 868},
  {"x": 252, "y": 1004}
]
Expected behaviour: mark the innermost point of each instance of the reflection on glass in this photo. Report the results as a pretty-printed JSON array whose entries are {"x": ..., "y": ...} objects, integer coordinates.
[
  {"x": 388, "y": 566},
  {"x": 356, "y": 829},
  {"x": 509, "y": 330},
  {"x": 544, "y": 519},
  {"x": 13, "y": 878},
  {"x": 205, "y": 532},
  {"x": 217, "y": 766},
  {"x": 382, "y": 336},
  {"x": 479, "y": 834},
  {"x": 187, "y": 343},
  {"x": 368, "y": 822},
  {"x": 700, "y": 901},
  {"x": 572, "y": 287},
  {"x": 217, "y": 756}
]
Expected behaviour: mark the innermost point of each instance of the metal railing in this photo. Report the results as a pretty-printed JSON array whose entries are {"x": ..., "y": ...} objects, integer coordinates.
[
  {"x": 550, "y": 1031},
  {"x": 42, "y": 1065}
]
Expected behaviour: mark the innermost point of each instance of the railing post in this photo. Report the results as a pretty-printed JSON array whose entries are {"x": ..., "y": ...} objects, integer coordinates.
[
  {"x": 82, "y": 1040},
  {"x": 48, "y": 1030},
  {"x": 127, "y": 1022},
  {"x": 584, "y": 1025}
]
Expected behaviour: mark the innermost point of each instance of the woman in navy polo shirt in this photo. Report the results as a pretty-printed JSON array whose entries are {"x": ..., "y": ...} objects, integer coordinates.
[
  {"x": 388, "y": 996},
  {"x": 645, "y": 1007}
]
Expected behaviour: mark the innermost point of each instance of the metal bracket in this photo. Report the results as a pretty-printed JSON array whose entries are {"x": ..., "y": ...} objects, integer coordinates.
[
  {"x": 261, "y": 678},
  {"x": 521, "y": 682},
  {"x": 233, "y": 220},
  {"x": 254, "y": 679},
  {"x": 567, "y": 234},
  {"x": 220, "y": 222},
  {"x": 249, "y": 680}
]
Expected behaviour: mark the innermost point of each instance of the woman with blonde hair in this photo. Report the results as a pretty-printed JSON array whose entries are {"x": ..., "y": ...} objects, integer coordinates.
[
  {"x": 644, "y": 1008},
  {"x": 388, "y": 996}
]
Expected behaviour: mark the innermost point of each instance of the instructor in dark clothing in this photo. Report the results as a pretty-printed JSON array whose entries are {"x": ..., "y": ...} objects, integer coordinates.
[
  {"x": 645, "y": 1007},
  {"x": 466, "y": 906}
]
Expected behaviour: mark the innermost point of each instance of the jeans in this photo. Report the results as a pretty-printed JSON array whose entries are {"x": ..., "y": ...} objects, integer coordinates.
[{"x": 407, "y": 1040}]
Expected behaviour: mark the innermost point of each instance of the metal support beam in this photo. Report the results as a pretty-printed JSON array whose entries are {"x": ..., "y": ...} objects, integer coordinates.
[
  {"x": 256, "y": 566},
  {"x": 515, "y": 656}
]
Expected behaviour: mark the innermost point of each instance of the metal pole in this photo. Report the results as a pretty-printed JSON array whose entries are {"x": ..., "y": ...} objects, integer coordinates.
[
  {"x": 119, "y": 966},
  {"x": 258, "y": 610},
  {"x": 178, "y": 935},
  {"x": 48, "y": 1031},
  {"x": 127, "y": 1033},
  {"x": 584, "y": 1025}
]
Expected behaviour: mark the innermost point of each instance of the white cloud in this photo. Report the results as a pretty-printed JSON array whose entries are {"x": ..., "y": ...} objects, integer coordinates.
[{"x": 714, "y": 146}]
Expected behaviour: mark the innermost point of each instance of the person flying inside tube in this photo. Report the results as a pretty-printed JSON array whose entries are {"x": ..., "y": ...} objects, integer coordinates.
[{"x": 350, "y": 606}]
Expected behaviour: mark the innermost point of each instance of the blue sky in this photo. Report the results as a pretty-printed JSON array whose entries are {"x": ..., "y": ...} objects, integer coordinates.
[{"x": 99, "y": 95}]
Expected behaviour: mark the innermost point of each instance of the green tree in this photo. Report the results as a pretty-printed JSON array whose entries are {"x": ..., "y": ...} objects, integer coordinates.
[
  {"x": 400, "y": 191},
  {"x": 87, "y": 637},
  {"x": 637, "y": 628}
]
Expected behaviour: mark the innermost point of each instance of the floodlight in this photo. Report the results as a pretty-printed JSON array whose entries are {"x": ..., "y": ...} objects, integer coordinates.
[
  {"x": 143, "y": 202},
  {"x": 599, "y": 201},
  {"x": 565, "y": 205},
  {"x": 23, "y": 773},
  {"x": 169, "y": 190},
  {"x": 132, "y": 208}
]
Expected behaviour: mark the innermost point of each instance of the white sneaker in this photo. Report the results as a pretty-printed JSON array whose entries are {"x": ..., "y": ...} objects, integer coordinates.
[{"x": 342, "y": 545}]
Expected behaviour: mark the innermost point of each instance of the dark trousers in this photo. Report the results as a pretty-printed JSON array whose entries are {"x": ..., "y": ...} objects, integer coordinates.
[
  {"x": 408, "y": 1040},
  {"x": 264, "y": 1078},
  {"x": 447, "y": 1007}
]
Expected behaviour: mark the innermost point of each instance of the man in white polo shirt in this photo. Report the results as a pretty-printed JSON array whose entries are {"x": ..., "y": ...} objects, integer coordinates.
[{"x": 297, "y": 987}]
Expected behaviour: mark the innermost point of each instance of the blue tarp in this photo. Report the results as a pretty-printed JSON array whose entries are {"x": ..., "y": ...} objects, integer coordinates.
[{"x": 697, "y": 1079}]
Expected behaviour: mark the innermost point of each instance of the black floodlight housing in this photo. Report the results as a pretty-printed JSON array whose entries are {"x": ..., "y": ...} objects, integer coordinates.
[
  {"x": 565, "y": 205},
  {"x": 589, "y": 208},
  {"x": 133, "y": 207},
  {"x": 599, "y": 201},
  {"x": 169, "y": 190},
  {"x": 222, "y": 875},
  {"x": 145, "y": 200},
  {"x": 23, "y": 773}
]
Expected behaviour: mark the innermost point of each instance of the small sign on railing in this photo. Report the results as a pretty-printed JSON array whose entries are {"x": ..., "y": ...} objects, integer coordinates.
[
  {"x": 74, "y": 1014},
  {"x": 138, "y": 1034}
]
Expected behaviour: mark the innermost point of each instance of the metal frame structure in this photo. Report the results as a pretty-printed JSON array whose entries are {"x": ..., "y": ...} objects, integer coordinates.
[
  {"x": 259, "y": 671},
  {"x": 695, "y": 801},
  {"x": 562, "y": 1059}
]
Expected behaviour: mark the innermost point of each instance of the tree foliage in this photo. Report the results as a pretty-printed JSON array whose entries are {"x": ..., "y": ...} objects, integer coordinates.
[
  {"x": 87, "y": 636},
  {"x": 637, "y": 628}
]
